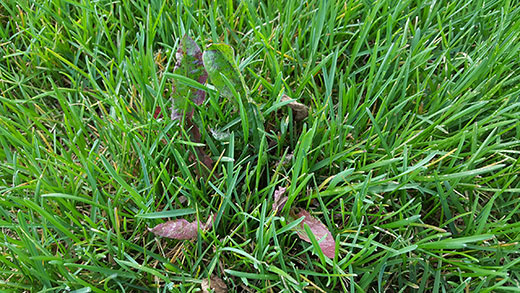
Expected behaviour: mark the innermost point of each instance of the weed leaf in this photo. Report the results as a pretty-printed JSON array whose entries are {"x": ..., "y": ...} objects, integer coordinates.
[
  {"x": 220, "y": 64},
  {"x": 189, "y": 63}
]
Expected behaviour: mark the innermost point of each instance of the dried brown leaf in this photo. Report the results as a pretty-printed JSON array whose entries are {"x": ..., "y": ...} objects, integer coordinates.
[
  {"x": 279, "y": 200},
  {"x": 300, "y": 110},
  {"x": 214, "y": 283}
]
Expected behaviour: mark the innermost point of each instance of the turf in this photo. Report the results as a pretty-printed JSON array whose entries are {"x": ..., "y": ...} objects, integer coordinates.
[{"x": 410, "y": 154}]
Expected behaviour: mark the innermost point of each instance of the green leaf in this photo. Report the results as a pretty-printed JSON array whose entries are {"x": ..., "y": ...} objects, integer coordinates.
[
  {"x": 227, "y": 52},
  {"x": 220, "y": 65}
]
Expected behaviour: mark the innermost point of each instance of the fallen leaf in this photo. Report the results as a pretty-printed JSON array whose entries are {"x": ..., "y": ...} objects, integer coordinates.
[
  {"x": 182, "y": 199},
  {"x": 181, "y": 229},
  {"x": 157, "y": 114},
  {"x": 209, "y": 222},
  {"x": 319, "y": 230},
  {"x": 279, "y": 200},
  {"x": 219, "y": 135},
  {"x": 214, "y": 283},
  {"x": 176, "y": 229},
  {"x": 286, "y": 159},
  {"x": 300, "y": 110}
]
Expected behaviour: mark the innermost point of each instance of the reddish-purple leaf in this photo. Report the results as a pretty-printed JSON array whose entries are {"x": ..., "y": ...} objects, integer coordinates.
[
  {"x": 279, "y": 200},
  {"x": 181, "y": 229},
  {"x": 157, "y": 113},
  {"x": 319, "y": 230},
  {"x": 188, "y": 63},
  {"x": 195, "y": 136},
  {"x": 176, "y": 229}
]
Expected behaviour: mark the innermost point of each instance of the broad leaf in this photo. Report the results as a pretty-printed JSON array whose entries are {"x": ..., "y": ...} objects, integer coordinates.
[
  {"x": 220, "y": 64},
  {"x": 320, "y": 232},
  {"x": 188, "y": 63},
  {"x": 279, "y": 200},
  {"x": 181, "y": 229}
]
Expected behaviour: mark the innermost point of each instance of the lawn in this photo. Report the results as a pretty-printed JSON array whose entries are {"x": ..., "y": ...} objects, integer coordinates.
[{"x": 409, "y": 154}]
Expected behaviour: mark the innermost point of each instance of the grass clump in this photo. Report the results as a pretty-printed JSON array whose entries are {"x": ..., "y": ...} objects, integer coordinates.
[{"x": 410, "y": 153}]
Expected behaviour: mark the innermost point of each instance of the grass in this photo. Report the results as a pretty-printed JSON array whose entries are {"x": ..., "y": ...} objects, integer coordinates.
[{"x": 410, "y": 156}]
